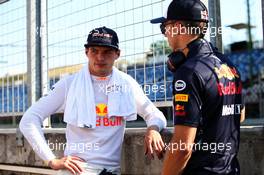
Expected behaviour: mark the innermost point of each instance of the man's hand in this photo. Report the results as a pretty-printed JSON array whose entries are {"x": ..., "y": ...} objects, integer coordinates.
[
  {"x": 153, "y": 142},
  {"x": 71, "y": 163},
  {"x": 242, "y": 116}
]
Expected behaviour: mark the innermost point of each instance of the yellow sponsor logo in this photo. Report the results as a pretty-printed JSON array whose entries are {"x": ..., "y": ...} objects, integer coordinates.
[{"x": 181, "y": 97}]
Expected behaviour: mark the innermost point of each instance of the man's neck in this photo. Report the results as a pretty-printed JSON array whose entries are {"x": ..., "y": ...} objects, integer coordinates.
[{"x": 184, "y": 47}]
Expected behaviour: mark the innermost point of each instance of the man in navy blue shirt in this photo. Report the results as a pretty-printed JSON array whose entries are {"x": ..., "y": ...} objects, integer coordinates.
[{"x": 207, "y": 99}]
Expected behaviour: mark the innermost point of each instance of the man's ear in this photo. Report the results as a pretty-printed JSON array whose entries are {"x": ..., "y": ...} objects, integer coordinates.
[
  {"x": 86, "y": 50},
  {"x": 118, "y": 54}
]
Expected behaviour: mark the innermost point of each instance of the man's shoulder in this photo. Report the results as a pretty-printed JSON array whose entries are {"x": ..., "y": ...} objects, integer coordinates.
[
  {"x": 64, "y": 81},
  {"x": 202, "y": 65},
  {"x": 68, "y": 78},
  {"x": 189, "y": 68}
]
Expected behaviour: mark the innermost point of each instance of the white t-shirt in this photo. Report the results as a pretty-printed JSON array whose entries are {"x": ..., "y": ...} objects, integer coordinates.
[{"x": 98, "y": 146}]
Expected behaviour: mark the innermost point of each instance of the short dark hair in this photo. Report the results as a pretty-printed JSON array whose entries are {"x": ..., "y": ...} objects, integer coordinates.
[{"x": 112, "y": 48}]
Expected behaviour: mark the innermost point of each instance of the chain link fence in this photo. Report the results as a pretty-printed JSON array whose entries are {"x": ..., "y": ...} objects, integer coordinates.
[{"x": 68, "y": 22}]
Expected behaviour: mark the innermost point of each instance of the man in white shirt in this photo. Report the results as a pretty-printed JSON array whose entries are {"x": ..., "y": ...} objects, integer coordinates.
[{"x": 104, "y": 136}]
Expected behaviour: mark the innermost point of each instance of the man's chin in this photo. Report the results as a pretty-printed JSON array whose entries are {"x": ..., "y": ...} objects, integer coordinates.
[{"x": 103, "y": 73}]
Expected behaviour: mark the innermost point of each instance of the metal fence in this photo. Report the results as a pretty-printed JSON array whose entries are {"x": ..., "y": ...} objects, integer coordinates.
[
  {"x": 13, "y": 58},
  {"x": 68, "y": 29},
  {"x": 61, "y": 28}
]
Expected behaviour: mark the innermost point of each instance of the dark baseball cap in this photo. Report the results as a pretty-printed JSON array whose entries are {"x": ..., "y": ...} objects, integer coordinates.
[
  {"x": 186, "y": 10},
  {"x": 102, "y": 36}
]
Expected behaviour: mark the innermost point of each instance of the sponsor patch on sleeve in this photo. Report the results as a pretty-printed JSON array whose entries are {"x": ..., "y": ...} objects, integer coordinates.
[
  {"x": 179, "y": 107},
  {"x": 179, "y": 110},
  {"x": 180, "y": 113},
  {"x": 181, "y": 97},
  {"x": 180, "y": 85}
]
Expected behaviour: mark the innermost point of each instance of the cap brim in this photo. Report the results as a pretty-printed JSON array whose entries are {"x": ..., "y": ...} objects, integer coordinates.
[
  {"x": 158, "y": 20},
  {"x": 100, "y": 44}
]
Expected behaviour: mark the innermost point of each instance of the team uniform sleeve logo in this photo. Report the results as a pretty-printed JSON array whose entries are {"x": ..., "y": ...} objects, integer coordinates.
[
  {"x": 179, "y": 85},
  {"x": 181, "y": 98}
]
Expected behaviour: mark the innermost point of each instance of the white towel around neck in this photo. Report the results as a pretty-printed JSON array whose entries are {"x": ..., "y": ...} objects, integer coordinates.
[{"x": 80, "y": 103}]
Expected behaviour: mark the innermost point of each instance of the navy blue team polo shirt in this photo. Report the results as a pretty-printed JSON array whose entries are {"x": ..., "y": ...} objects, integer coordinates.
[{"x": 207, "y": 94}]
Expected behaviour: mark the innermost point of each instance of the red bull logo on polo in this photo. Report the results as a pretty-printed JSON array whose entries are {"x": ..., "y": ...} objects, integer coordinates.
[{"x": 225, "y": 71}]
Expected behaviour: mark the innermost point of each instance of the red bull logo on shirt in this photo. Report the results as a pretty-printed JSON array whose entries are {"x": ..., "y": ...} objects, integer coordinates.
[
  {"x": 101, "y": 110},
  {"x": 225, "y": 71},
  {"x": 102, "y": 117}
]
